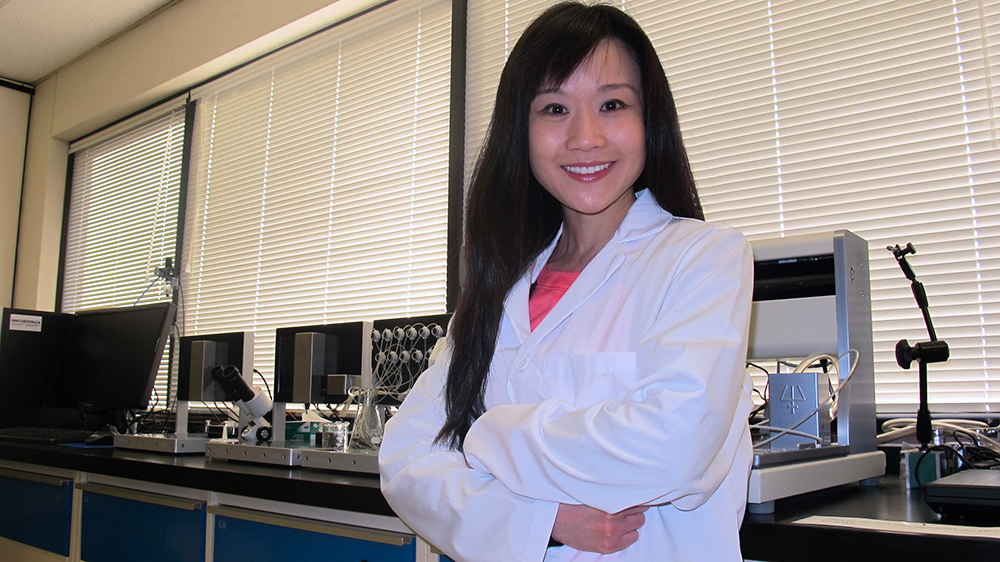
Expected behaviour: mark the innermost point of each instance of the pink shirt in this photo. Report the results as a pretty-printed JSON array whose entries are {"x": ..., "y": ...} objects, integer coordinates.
[{"x": 549, "y": 288}]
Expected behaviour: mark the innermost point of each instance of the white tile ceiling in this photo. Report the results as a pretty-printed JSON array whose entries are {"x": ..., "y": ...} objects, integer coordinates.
[{"x": 38, "y": 37}]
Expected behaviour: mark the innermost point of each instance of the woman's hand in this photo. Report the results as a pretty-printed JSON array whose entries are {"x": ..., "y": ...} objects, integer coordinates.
[{"x": 592, "y": 530}]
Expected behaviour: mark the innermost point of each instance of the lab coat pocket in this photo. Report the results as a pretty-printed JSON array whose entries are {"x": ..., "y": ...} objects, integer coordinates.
[{"x": 585, "y": 380}]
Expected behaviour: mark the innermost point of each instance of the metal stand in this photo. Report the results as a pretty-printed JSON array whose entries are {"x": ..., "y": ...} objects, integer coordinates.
[{"x": 176, "y": 443}]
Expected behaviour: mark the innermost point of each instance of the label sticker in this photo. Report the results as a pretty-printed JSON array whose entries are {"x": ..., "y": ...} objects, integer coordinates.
[{"x": 25, "y": 323}]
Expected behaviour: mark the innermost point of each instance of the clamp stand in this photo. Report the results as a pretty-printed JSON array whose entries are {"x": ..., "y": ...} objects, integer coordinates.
[{"x": 934, "y": 351}]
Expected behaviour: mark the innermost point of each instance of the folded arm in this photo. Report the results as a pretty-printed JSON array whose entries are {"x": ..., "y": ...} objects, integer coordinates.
[
  {"x": 467, "y": 514},
  {"x": 672, "y": 437}
]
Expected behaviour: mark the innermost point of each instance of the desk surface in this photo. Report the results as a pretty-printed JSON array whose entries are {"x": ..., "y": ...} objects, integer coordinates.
[
  {"x": 303, "y": 486},
  {"x": 775, "y": 537},
  {"x": 780, "y": 538}
]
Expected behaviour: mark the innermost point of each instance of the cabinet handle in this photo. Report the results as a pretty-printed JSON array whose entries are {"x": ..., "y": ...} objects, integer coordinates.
[
  {"x": 314, "y": 525},
  {"x": 33, "y": 477},
  {"x": 145, "y": 497}
]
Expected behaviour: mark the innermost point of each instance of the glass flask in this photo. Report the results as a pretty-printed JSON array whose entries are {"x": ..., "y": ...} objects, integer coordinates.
[{"x": 366, "y": 435}]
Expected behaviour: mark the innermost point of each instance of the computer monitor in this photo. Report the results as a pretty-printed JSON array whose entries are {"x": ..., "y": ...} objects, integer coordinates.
[
  {"x": 111, "y": 359},
  {"x": 30, "y": 344},
  {"x": 199, "y": 354},
  {"x": 319, "y": 364}
]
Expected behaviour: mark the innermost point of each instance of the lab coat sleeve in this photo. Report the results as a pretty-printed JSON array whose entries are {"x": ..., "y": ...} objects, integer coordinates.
[
  {"x": 467, "y": 514},
  {"x": 674, "y": 435}
]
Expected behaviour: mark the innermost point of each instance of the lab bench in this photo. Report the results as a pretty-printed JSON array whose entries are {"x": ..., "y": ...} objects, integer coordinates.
[
  {"x": 107, "y": 504},
  {"x": 861, "y": 523},
  {"x": 114, "y": 504}
]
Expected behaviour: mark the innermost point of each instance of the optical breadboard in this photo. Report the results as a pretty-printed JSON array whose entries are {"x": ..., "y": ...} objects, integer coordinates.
[
  {"x": 768, "y": 457},
  {"x": 162, "y": 443},
  {"x": 785, "y": 480},
  {"x": 344, "y": 461},
  {"x": 264, "y": 453}
]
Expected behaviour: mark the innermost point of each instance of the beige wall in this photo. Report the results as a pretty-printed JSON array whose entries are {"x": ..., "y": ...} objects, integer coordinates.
[
  {"x": 181, "y": 46},
  {"x": 14, "y": 106}
]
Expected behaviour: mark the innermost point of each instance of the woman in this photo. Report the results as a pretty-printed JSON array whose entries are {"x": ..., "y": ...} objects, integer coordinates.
[{"x": 592, "y": 399}]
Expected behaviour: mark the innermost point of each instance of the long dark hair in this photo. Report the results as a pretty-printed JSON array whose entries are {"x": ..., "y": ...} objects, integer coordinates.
[{"x": 510, "y": 218}]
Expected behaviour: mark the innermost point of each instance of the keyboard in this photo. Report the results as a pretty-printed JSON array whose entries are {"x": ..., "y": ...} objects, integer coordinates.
[{"x": 44, "y": 435}]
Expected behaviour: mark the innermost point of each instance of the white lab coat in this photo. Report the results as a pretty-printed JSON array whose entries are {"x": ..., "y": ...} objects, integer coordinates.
[{"x": 632, "y": 391}]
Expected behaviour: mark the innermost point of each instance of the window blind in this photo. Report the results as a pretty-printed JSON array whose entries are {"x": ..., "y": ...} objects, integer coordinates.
[
  {"x": 122, "y": 216},
  {"x": 809, "y": 116},
  {"x": 319, "y": 188}
]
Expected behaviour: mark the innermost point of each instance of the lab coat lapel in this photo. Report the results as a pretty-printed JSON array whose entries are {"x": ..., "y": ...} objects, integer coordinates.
[
  {"x": 591, "y": 279},
  {"x": 516, "y": 304},
  {"x": 517, "y": 307}
]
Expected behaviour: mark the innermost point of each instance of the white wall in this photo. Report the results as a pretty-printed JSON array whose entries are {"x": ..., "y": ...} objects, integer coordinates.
[
  {"x": 14, "y": 107},
  {"x": 181, "y": 46}
]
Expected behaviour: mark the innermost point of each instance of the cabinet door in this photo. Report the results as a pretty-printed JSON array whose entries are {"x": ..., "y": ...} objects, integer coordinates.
[
  {"x": 243, "y": 535},
  {"x": 120, "y": 524},
  {"x": 37, "y": 510}
]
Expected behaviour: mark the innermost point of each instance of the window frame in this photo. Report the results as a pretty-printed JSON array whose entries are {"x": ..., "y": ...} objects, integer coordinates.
[{"x": 455, "y": 153}]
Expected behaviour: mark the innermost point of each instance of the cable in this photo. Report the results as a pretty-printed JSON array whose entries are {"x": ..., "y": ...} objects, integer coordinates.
[
  {"x": 944, "y": 449},
  {"x": 150, "y": 286},
  {"x": 982, "y": 456},
  {"x": 904, "y": 427},
  {"x": 824, "y": 359},
  {"x": 266, "y": 386},
  {"x": 783, "y": 430},
  {"x": 400, "y": 354},
  {"x": 333, "y": 412},
  {"x": 763, "y": 395},
  {"x": 904, "y": 422},
  {"x": 808, "y": 361}
]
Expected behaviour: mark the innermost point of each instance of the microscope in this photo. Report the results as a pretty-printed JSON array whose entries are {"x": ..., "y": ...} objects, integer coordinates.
[{"x": 252, "y": 403}]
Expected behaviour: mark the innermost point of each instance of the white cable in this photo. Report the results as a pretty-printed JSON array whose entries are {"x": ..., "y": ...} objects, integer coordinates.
[
  {"x": 783, "y": 430},
  {"x": 808, "y": 361},
  {"x": 404, "y": 354},
  {"x": 904, "y": 422},
  {"x": 954, "y": 425}
]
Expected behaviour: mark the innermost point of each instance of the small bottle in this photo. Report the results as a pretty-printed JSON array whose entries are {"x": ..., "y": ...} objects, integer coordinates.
[{"x": 335, "y": 436}]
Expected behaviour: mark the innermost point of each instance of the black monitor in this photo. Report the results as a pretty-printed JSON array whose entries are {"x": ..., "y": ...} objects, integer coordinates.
[
  {"x": 30, "y": 344},
  {"x": 318, "y": 364},
  {"x": 199, "y": 354},
  {"x": 111, "y": 359}
]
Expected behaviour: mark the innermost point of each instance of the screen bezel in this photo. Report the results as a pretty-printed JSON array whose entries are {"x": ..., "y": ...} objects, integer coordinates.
[{"x": 86, "y": 378}]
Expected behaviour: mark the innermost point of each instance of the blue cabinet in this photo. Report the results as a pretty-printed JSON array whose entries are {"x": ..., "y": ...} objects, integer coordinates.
[
  {"x": 119, "y": 519},
  {"x": 243, "y": 535},
  {"x": 37, "y": 510},
  {"x": 121, "y": 524}
]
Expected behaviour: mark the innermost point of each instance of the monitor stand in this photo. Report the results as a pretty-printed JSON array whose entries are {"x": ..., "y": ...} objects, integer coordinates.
[{"x": 174, "y": 443}]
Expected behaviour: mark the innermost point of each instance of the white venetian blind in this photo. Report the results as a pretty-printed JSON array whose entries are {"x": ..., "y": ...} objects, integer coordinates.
[
  {"x": 875, "y": 116},
  {"x": 122, "y": 217},
  {"x": 320, "y": 181}
]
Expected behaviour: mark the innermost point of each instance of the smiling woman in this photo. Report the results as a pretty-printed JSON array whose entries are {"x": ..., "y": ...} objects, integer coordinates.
[{"x": 601, "y": 331}]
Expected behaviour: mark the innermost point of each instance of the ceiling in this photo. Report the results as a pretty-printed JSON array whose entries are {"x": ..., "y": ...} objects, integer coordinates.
[{"x": 38, "y": 37}]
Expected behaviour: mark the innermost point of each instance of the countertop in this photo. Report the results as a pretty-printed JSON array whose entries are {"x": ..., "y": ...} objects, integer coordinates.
[
  {"x": 304, "y": 486},
  {"x": 779, "y": 537}
]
